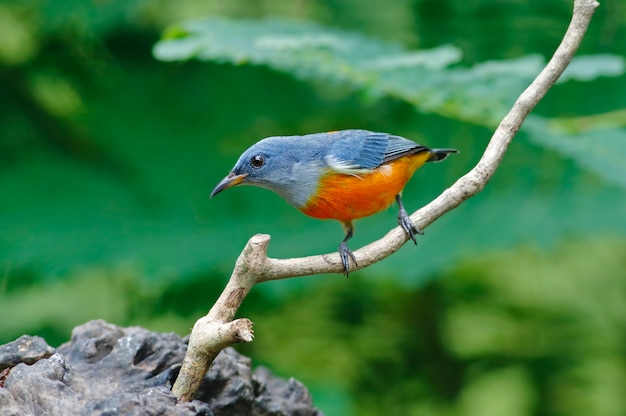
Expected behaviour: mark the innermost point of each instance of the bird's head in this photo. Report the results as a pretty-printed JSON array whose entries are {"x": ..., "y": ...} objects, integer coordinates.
[{"x": 275, "y": 163}]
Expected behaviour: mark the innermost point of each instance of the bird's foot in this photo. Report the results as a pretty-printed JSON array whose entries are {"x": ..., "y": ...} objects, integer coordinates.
[
  {"x": 346, "y": 254},
  {"x": 405, "y": 222}
]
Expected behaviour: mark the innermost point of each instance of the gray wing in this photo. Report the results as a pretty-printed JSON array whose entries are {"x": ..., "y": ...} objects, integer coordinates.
[
  {"x": 399, "y": 146},
  {"x": 353, "y": 150}
]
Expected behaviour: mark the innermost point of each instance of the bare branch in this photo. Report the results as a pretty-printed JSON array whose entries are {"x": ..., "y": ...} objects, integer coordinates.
[{"x": 216, "y": 330}]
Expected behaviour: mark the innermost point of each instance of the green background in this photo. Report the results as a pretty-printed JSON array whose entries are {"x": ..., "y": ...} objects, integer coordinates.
[{"x": 117, "y": 118}]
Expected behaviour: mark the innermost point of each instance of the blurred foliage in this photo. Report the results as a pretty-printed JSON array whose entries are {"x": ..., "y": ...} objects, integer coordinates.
[{"x": 511, "y": 304}]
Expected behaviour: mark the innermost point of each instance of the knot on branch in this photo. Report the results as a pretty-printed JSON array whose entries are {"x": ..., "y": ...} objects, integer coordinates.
[
  {"x": 259, "y": 243},
  {"x": 252, "y": 260}
]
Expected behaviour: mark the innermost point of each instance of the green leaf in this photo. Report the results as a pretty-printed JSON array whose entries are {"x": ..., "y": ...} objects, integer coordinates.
[
  {"x": 481, "y": 94},
  {"x": 303, "y": 49},
  {"x": 601, "y": 150},
  {"x": 590, "y": 67}
]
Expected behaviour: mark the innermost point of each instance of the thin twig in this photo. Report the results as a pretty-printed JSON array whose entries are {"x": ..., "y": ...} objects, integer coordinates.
[{"x": 217, "y": 329}]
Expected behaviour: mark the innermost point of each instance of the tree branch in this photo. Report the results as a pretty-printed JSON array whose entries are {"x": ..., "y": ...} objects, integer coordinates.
[{"x": 216, "y": 330}]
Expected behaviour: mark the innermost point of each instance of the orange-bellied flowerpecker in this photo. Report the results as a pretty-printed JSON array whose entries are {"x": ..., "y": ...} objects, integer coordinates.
[{"x": 343, "y": 175}]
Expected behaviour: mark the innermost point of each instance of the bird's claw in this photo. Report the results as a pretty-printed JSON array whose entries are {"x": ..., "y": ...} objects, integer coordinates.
[
  {"x": 346, "y": 254},
  {"x": 405, "y": 222}
]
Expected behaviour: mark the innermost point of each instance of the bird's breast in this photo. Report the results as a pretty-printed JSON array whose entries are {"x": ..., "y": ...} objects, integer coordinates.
[{"x": 346, "y": 197}]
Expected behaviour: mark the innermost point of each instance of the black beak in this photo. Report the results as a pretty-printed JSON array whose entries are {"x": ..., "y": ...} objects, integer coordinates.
[{"x": 228, "y": 182}]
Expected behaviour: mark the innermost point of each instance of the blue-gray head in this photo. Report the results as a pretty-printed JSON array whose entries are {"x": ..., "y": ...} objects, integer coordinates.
[{"x": 288, "y": 166}]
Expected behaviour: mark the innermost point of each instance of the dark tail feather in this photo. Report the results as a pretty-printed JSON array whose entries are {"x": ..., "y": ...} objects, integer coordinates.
[{"x": 437, "y": 155}]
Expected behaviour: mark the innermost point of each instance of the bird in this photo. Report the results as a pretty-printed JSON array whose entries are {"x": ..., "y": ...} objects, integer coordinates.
[{"x": 343, "y": 175}]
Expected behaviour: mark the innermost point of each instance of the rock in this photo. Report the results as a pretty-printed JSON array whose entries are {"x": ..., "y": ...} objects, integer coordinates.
[
  {"x": 232, "y": 389},
  {"x": 108, "y": 370},
  {"x": 25, "y": 349}
]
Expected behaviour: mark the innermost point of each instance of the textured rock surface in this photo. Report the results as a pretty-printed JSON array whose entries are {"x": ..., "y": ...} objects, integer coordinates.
[{"x": 108, "y": 370}]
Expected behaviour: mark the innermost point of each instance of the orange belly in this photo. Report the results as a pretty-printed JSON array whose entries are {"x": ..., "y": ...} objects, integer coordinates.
[{"x": 346, "y": 197}]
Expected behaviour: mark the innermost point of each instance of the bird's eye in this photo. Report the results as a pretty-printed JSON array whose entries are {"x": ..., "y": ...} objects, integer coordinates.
[{"x": 257, "y": 161}]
